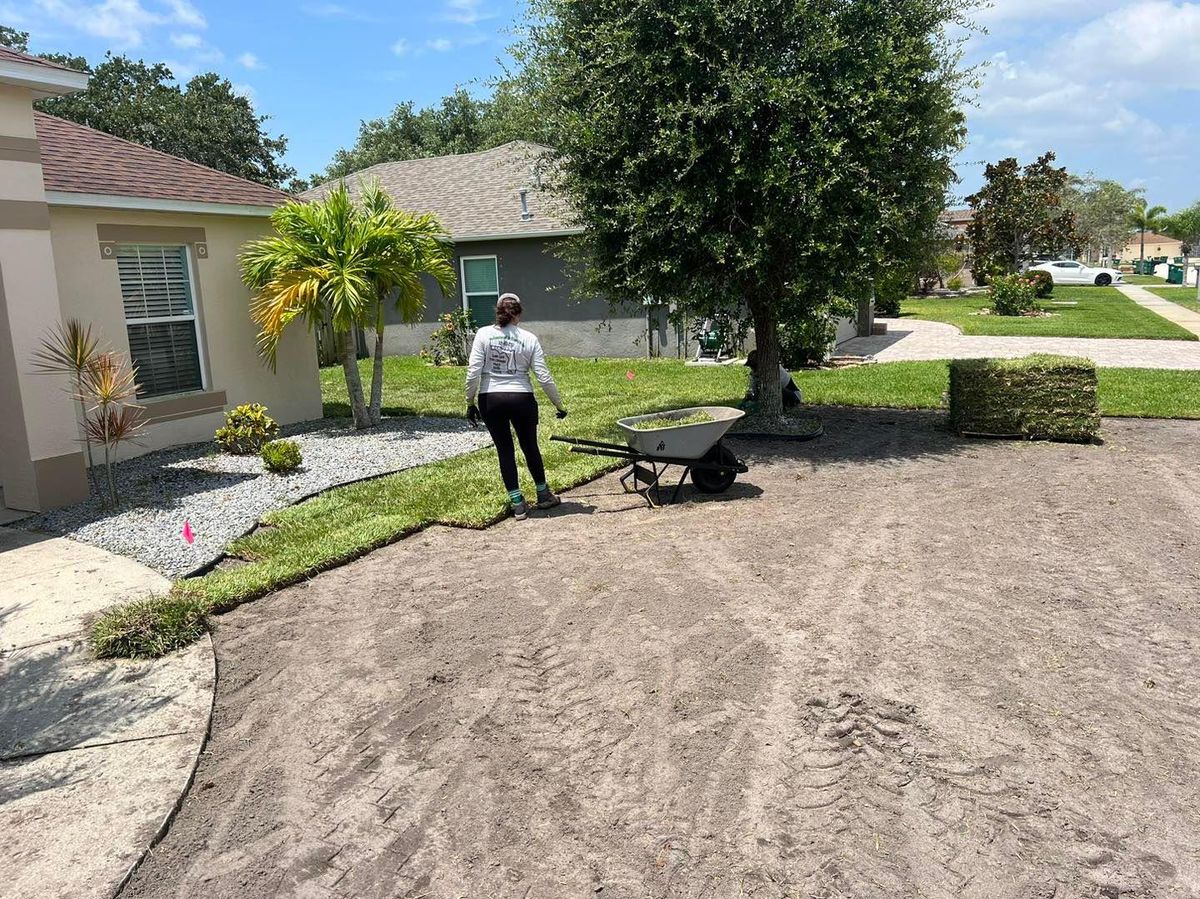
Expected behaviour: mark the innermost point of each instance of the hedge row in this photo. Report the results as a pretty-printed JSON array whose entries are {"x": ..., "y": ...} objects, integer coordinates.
[{"x": 1037, "y": 398}]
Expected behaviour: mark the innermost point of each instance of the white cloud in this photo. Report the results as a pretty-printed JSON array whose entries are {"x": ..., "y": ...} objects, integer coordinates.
[
  {"x": 183, "y": 12},
  {"x": 187, "y": 41},
  {"x": 124, "y": 23},
  {"x": 1013, "y": 11},
  {"x": 466, "y": 12},
  {"x": 245, "y": 90},
  {"x": 440, "y": 44},
  {"x": 401, "y": 47},
  {"x": 1151, "y": 45},
  {"x": 250, "y": 61}
]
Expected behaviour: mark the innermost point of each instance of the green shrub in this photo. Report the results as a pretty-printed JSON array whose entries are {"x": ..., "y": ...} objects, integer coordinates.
[
  {"x": 890, "y": 291},
  {"x": 451, "y": 343},
  {"x": 281, "y": 456},
  {"x": 1043, "y": 283},
  {"x": 148, "y": 628},
  {"x": 955, "y": 283},
  {"x": 806, "y": 343},
  {"x": 1013, "y": 295},
  {"x": 1038, "y": 398},
  {"x": 246, "y": 429}
]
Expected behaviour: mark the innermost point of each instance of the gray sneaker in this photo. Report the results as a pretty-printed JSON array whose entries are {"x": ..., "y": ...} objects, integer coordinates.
[
  {"x": 520, "y": 511},
  {"x": 547, "y": 500}
]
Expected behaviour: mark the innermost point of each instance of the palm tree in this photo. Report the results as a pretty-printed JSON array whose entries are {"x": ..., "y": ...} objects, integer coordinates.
[
  {"x": 332, "y": 259},
  {"x": 1144, "y": 218}
]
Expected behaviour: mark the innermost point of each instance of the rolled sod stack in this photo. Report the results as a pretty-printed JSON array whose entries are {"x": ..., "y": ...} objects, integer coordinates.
[{"x": 1035, "y": 398}]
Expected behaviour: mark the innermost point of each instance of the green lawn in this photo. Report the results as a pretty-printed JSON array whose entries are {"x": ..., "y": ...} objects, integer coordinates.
[
  {"x": 1079, "y": 312},
  {"x": 1184, "y": 296},
  {"x": 1144, "y": 280},
  {"x": 1132, "y": 392}
]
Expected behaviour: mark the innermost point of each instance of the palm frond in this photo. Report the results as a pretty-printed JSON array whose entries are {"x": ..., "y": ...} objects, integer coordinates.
[
  {"x": 107, "y": 380},
  {"x": 67, "y": 349}
]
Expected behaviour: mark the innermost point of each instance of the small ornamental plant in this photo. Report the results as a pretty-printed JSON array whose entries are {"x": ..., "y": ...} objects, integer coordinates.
[
  {"x": 282, "y": 456},
  {"x": 247, "y": 428},
  {"x": 450, "y": 344},
  {"x": 1043, "y": 283},
  {"x": 1014, "y": 295}
]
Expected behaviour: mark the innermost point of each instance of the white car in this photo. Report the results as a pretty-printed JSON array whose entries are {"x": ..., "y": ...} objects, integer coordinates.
[{"x": 1067, "y": 271}]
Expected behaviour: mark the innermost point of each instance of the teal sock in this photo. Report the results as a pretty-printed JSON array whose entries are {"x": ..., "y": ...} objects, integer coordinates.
[
  {"x": 542, "y": 488},
  {"x": 515, "y": 497}
]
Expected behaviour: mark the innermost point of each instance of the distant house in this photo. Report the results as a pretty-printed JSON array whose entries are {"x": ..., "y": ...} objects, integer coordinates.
[
  {"x": 143, "y": 247},
  {"x": 1156, "y": 245},
  {"x": 956, "y": 221},
  {"x": 508, "y": 232}
]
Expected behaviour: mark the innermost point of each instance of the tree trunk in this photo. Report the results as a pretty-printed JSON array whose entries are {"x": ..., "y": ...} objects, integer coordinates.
[
  {"x": 358, "y": 408},
  {"x": 377, "y": 370},
  {"x": 1143, "y": 245},
  {"x": 766, "y": 341}
]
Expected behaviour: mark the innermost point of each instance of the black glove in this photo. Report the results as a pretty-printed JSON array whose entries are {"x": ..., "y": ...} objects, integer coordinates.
[
  {"x": 560, "y": 414},
  {"x": 473, "y": 415}
]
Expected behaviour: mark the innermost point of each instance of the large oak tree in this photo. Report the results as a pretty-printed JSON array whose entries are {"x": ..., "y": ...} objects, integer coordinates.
[
  {"x": 765, "y": 152},
  {"x": 206, "y": 120}
]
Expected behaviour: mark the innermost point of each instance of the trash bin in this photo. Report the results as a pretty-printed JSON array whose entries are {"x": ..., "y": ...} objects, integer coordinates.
[{"x": 1175, "y": 274}]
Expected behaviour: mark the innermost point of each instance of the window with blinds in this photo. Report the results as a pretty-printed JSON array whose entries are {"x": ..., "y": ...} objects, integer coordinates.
[
  {"x": 481, "y": 288},
  {"x": 160, "y": 316}
]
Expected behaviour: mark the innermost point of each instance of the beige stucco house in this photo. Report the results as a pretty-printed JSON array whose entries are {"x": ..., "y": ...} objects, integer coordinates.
[
  {"x": 1157, "y": 245},
  {"x": 143, "y": 246}
]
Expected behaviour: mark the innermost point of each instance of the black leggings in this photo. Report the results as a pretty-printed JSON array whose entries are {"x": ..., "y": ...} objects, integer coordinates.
[{"x": 520, "y": 410}]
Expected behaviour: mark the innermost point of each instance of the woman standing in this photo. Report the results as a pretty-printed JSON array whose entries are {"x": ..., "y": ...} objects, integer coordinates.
[{"x": 498, "y": 374}]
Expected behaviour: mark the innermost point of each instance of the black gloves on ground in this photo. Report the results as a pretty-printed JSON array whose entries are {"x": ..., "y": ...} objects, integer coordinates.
[{"x": 473, "y": 415}]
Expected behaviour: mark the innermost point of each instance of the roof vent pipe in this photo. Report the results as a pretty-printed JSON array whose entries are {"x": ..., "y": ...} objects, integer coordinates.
[{"x": 526, "y": 215}]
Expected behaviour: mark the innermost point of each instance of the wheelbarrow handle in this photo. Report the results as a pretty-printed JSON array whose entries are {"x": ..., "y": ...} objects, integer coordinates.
[{"x": 579, "y": 441}]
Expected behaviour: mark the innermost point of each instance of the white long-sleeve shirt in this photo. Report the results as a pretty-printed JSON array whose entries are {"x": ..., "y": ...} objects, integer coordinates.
[{"x": 501, "y": 359}]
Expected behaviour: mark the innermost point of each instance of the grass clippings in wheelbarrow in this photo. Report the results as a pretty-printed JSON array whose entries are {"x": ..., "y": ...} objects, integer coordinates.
[{"x": 657, "y": 424}]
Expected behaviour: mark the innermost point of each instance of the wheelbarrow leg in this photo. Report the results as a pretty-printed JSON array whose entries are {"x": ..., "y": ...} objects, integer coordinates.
[{"x": 679, "y": 487}]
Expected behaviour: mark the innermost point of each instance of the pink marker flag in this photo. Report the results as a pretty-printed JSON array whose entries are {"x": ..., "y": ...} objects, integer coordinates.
[
  {"x": 187, "y": 533},
  {"x": 630, "y": 375}
]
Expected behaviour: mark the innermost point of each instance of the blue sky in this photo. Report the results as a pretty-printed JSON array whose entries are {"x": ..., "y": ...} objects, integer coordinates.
[{"x": 1112, "y": 85}]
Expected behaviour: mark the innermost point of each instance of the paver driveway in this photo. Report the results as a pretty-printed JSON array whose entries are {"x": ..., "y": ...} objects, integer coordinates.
[
  {"x": 889, "y": 664},
  {"x": 914, "y": 339}
]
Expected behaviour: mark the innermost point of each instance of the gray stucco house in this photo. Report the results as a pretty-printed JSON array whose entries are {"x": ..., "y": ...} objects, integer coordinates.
[{"x": 506, "y": 230}]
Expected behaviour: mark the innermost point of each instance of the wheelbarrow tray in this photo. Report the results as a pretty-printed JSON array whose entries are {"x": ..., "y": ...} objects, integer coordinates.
[{"x": 682, "y": 441}]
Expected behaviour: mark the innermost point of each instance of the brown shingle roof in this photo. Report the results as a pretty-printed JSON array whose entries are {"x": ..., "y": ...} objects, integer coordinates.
[
  {"x": 78, "y": 159},
  {"x": 473, "y": 194},
  {"x": 15, "y": 56}
]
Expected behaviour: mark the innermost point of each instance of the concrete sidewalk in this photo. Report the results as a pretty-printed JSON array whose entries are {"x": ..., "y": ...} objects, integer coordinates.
[
  {"x": 912, "y": 339},
  {"x": 1181, "y": 316},
  {"x": 94, "y": 756}
]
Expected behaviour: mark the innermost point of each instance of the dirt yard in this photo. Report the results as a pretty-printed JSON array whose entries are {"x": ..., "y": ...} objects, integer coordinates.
[{"x": 887, "y": 664}]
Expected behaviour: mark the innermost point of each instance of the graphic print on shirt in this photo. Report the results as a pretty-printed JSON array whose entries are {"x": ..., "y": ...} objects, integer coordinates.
[{"x": 502, "y": 355}]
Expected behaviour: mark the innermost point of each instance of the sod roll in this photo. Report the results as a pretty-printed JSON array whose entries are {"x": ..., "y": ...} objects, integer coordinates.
[{"x": 1035, "y": 398}]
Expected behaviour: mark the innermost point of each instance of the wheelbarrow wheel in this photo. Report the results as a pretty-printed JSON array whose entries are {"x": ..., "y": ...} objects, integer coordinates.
[{"x": 708, "y": 480}]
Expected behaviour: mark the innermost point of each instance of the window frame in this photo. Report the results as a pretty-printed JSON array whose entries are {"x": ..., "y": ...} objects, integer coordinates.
[
  {"x": 462, "y": 272},
  {"x": 196, "y": 317}
]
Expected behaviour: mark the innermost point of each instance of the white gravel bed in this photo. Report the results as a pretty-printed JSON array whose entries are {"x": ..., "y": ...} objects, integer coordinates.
[{"x": 223, "y": 496}]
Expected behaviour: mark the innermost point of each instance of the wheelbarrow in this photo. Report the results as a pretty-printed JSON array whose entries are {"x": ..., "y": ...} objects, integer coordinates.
[{"x": 696, "y": 448}]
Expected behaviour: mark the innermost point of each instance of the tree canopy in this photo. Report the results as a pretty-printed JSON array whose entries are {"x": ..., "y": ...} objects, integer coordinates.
[
  {"x": 461, "y": 123},
  {"x": 1102, "y": 209},
  {"x": 1184, "y": 225},
  {"x": 206, "y": 121},
  {"x": 1021, "y": 214},
  {"x": 762, "y": 153}
]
